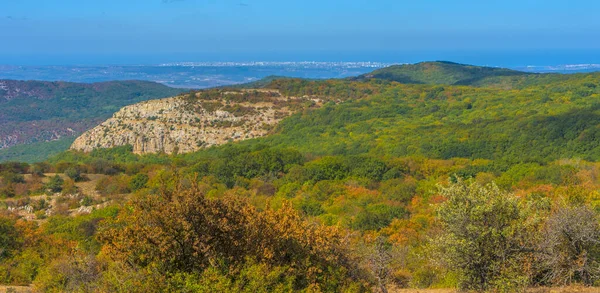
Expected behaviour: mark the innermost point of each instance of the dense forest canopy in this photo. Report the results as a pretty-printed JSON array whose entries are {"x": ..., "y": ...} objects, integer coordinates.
[{"x": 540, "y": 123}]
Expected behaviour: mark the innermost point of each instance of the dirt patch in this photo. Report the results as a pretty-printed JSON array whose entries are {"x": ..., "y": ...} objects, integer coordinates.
[{"x": 15, "y": 289}]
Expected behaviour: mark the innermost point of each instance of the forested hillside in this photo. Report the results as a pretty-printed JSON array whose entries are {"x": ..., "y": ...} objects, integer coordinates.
[
  {"x": 449, "y": 73},
  {"x": 490, "y": 188},
  {"x": 39, "y": 111},
  {"x": 439, "y": 72},
  {"x": 538, "y": 123}
]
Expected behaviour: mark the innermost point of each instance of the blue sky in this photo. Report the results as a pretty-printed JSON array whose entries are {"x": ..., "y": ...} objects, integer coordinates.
[{"x": 236, "y": 27}]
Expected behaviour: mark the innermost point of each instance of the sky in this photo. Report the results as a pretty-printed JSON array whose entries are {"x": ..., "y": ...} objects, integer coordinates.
[{"x": 153, "y": 30}]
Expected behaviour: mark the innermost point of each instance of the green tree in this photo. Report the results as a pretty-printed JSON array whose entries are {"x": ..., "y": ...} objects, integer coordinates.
[
  {"x": 8, "y": 236},
  {"x": 482, "y": 236},
  {"x": 74, "y": 173},
  {"x": 138, "y": 182},
  {"x": 55, "y": 184},
  {"x": 38, "y": 169}
]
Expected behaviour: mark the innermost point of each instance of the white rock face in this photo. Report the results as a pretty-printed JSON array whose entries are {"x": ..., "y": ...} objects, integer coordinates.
[{"x": 181, "y": 124}]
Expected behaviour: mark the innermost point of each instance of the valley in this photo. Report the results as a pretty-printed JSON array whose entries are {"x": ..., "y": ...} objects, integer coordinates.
[{"x": 35, "y": 112}]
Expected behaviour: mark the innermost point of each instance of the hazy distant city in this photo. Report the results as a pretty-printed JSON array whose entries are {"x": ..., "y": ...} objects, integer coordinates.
[{"x": 211, "y": 74}]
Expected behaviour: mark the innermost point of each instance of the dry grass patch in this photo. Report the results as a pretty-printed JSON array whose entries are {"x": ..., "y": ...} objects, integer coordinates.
[{"x": 15, "y": 289}]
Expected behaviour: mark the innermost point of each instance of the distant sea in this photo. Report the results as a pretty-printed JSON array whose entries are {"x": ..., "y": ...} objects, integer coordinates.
[{"x": 201, "y": 70}]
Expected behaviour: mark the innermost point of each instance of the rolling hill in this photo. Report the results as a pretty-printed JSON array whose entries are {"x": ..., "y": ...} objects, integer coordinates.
[
  {"x": 537, "y": 123},
  {"x": 522, "y": 116},
  {"x": 439, "y": 72},
  {"x": 39, "y": 111}
]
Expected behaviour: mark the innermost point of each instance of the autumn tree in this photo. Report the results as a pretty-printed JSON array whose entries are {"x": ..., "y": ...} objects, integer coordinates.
[
  {"x": 186, "y": 232},
  {"x": 9, "y": 236}
]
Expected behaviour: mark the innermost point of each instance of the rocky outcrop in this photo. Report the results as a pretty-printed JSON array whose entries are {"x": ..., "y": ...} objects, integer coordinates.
[{"x": 187, "y": 123}]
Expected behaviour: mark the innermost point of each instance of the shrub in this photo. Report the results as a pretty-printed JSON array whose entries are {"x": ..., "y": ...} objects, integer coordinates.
[
  {"x": 69, "y": 187},
  {"x": 86, "y": 201},
  {"x": 8, "y": 191},
  {"x": 74, "y": 173},
  {"x": 570, "y": 247},
  {"x": 138, "y": 182},
  {"x": 55, "y": 184},
  {"x": 195, "y": 233},
  {"x": 10, "y": 178},
  {"x": 9, "y": 237},
  {"x": 482, "y": 237}
]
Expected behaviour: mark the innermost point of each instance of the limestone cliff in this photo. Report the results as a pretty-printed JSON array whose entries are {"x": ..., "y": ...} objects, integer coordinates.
[{"x": 187, "y": 123}]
